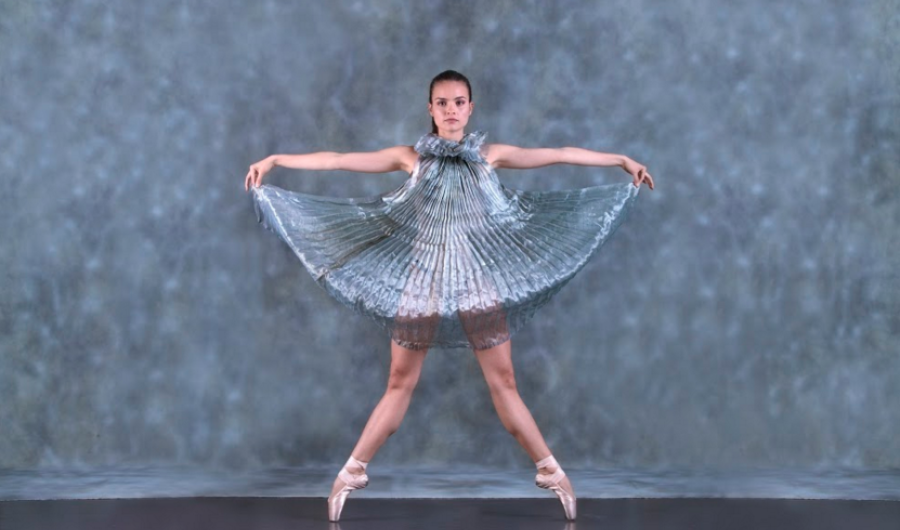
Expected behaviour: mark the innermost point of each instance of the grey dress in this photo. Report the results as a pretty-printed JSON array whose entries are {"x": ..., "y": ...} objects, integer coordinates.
[{"x": 452, "y": 258}]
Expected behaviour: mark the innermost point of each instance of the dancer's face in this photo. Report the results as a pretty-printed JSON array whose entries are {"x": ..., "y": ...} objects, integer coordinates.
[{"x": 450, "y": 107}]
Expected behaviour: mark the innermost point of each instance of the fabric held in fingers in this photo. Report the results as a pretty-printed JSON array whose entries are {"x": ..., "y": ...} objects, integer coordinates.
[{"x": 452, "y": 258}]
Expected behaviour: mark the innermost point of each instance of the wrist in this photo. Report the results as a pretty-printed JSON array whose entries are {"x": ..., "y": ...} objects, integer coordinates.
[
  {"x": 273, "y": 159},
  {"x": 622, "y": 160}
]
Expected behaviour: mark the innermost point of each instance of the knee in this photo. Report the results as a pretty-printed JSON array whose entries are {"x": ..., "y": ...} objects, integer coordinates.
[
  {"x": 502, "y": 381},
  {"x": 403, "y": 380}
]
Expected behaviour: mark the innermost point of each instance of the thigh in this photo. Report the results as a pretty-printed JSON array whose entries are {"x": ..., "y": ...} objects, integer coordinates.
[
  {"x": 418, "y": 311},
  {"x": 496, "y": 364},
  {"x": 405, "y": 361},
  {"x": 481, "y": 312}
]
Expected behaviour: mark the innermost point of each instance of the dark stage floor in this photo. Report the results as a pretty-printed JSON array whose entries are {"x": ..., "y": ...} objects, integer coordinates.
[{"x": 247, "y": 513}]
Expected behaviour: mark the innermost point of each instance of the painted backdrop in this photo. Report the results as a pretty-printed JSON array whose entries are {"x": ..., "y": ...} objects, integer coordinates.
[{"x": 746, "y": 314}]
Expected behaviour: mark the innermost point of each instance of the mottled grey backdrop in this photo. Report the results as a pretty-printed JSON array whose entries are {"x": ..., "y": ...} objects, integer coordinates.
[{"x": 745, "y": 315}]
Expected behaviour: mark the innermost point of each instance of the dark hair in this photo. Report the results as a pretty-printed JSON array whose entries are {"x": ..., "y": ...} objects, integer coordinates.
[{"x": 447, "y": 75}]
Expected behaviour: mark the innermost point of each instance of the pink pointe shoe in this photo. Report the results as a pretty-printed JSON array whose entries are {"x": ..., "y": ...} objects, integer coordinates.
[
  {"x": 353, "y": 482},
  {"x": 551, "y": 482}
]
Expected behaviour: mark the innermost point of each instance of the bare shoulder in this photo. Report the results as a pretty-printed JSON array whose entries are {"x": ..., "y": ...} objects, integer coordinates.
[
  {"x": 406, "y": 155},
  {"x": 514, "y": 157},
  {"x": 494, "y": 154}
]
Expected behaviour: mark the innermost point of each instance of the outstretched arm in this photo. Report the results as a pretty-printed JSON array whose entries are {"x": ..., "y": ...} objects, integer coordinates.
[
  {"x": 391, "y": 159},
  {"x": 512, "y": 157}
]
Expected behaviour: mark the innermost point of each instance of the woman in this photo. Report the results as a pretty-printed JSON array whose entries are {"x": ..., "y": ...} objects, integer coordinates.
[{"x": 450, "y": 258}]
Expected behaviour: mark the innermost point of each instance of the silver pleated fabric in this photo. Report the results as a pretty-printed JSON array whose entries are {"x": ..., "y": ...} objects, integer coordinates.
[{"x": 452, "y": 258}]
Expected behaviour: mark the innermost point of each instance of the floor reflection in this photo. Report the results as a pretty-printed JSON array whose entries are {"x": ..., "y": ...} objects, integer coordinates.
[{"x": 395, "y": 482}]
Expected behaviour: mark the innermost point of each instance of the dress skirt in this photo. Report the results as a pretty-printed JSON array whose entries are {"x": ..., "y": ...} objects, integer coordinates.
[{"x": 452, "y": 258}]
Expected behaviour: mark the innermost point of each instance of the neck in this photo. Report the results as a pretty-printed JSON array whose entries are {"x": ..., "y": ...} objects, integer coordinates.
[{"x": 455, "y": 136}]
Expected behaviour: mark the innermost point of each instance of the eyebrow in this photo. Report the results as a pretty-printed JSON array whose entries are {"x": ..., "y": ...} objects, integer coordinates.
[{"x": 457, "y": 97}]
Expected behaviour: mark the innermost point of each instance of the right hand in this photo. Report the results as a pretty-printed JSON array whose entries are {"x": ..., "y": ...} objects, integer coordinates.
[{"x": 257, "y": 171}]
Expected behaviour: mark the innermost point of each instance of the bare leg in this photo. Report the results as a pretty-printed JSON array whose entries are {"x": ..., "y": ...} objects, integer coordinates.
[
  {"x": 496, "y": 363},
  {"x": 406, "y": 366}
]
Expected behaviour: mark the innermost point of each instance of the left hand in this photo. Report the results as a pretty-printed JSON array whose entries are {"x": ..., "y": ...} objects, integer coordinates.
[{"x": 638, "y": 171}]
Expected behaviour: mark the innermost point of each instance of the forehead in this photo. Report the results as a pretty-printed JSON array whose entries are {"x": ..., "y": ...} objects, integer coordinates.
[{"x": 449, "y": 90}]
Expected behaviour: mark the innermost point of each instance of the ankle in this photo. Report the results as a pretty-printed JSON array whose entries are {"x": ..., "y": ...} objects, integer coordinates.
[
  {"x": 546, "y": 466},
  {"x": 355, "y": 466}
]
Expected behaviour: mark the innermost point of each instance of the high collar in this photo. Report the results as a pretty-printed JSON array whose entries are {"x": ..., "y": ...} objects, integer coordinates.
[{"x": 467, "y": 148}]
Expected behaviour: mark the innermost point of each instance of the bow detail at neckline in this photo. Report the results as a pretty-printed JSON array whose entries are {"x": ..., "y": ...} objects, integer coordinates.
[{"x": 468, "y": 148}]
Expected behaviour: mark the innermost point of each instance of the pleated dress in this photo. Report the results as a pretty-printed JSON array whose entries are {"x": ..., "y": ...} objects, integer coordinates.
[{"x": 452, "y": 258}]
